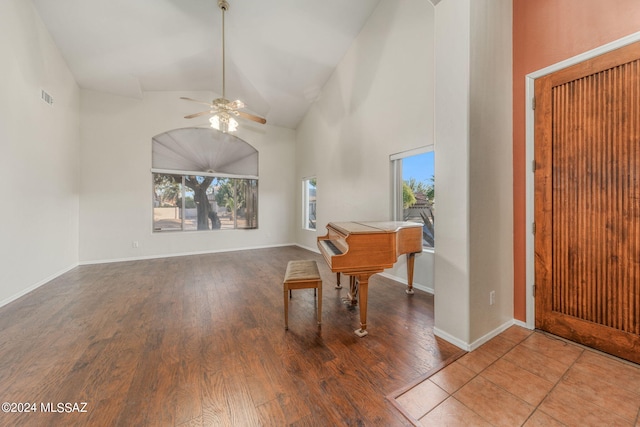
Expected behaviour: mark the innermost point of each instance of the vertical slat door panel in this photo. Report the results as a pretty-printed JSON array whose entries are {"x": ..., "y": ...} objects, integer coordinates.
[{"x": 587, "y": 202}]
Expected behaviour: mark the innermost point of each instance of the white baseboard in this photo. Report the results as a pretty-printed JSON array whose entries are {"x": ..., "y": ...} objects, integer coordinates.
[
  {"x": 486, "y": 337},
  {"x": 36, "y": 285},
  {"x": 180, "y": 254},
  {"x": 477, "y": 343},
  {"x": 107, "y": 261},
  {"x": 404, "y": 281},
  {"x": 316, "y": 250},
  {"x": 451, "y": 339},
  {"x": 522, "y": 324}
]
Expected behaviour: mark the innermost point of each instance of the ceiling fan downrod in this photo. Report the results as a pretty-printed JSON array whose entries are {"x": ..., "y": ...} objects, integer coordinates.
[
  {"x": 222, "y": 110},
  {"x": 223, "y": 5}
]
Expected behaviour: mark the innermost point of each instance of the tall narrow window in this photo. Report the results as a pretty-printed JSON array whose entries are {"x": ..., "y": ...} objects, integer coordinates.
[
  {"x": 309, "y": 203},
  {"x": 414, "y": 190}
]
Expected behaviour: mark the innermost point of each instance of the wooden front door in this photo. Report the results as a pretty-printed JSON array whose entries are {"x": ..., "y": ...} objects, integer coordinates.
[{"x": 587, "y": 202}]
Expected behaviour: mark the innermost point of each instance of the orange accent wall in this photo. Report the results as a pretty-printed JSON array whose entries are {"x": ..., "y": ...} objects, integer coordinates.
[{"x": 546, "y": 32}]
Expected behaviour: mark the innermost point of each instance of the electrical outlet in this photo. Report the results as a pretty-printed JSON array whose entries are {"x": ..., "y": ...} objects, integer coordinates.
[
  {"x": 134, "y": 243},
  {"x": 492, "y": 297}
]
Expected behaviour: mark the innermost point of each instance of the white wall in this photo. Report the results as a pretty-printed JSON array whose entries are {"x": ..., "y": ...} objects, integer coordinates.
[
  {"x": 453, "y": 35},
  {"x": 116, "y": 202},
  {"x": 491, "y": 166},
  {"x": 378, "y": 102},
  {"x": 39, "y": 154},
  {"x": 473, "y": 169}
]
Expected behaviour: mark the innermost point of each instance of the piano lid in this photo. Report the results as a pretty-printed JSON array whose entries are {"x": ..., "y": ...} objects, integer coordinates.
[
  {"x": 366, "y": 227},
  {"x": 392, "y": 225}
]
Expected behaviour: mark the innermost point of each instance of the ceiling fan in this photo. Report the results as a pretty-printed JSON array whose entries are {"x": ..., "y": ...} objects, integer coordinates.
[{"x": 222, "y": 110}]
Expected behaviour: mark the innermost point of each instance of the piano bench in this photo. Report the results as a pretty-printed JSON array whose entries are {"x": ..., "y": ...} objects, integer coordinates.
[{"x": 302, "y": 274}]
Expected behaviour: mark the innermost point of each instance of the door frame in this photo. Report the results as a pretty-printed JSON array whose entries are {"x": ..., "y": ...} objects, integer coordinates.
[{"x": 529, "y": 157}]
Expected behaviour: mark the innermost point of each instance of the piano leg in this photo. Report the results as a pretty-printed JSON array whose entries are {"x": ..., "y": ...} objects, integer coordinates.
[
  {"x": 363, "y": 284},
  {"x": 338, "y": 285},
  {"x": 410, "y": 262}
]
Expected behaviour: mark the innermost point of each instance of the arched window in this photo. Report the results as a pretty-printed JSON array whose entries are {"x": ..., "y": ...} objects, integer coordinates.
[{"x": 203, "y": 179}]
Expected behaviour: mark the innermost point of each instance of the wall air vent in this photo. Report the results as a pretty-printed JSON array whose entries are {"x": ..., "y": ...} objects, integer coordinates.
[{"x": 46, "y": 97}]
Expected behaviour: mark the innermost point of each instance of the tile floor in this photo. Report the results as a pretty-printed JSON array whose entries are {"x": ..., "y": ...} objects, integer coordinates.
[{"x": 527, "y": 378}]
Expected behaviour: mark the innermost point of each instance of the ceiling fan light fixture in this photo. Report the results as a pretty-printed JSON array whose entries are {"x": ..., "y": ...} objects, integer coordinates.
[{"x": 224, "y": 123}]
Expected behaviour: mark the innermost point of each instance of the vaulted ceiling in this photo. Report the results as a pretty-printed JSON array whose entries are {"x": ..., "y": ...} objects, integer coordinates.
[{"x": 279, "y": 53}]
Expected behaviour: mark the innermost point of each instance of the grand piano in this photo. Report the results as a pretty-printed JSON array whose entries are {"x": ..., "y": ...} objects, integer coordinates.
[{"x": 362, "y": 249}]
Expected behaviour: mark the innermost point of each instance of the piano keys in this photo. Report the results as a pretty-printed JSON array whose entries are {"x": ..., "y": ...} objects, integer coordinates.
[{"x": 362, "y": 249}]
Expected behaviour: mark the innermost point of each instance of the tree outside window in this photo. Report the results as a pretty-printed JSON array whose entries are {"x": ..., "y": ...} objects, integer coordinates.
[
  {"x": 415, "y": 188},
  {"x": 194, "y": 202}
]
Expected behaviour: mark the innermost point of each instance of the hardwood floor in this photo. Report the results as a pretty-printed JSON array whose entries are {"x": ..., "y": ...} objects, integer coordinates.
[{"x": 200, "y": 340}]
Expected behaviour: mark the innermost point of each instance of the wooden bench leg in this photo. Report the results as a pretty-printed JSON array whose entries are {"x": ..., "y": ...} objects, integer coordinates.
[
  {"x": 286, "y": 308},
  {"x": 319, "y": 302}
]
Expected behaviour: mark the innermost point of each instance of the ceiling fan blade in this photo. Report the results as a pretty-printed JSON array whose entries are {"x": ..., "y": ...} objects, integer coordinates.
[
  {"x": 235, "y": 105},
  {"x": 251, "y": 117},
  {"x": 195, "y": 100},
  {"x": 203, "y": 113}
]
